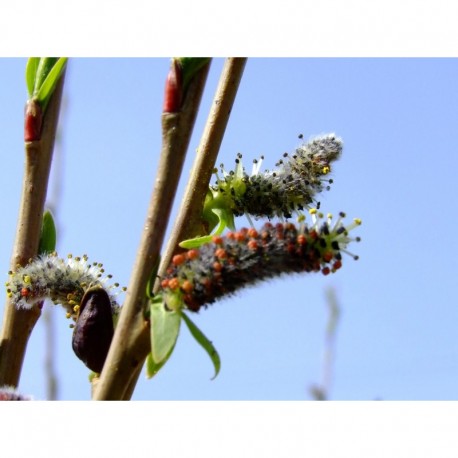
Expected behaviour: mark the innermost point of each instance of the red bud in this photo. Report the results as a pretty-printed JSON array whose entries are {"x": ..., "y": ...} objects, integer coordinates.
[
  {"x": 173, "y": 89},
  {"x": 33, "y": 119}
]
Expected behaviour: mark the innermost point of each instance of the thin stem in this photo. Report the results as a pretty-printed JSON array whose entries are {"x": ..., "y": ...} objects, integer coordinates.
[
  {"x": 189, "y": 220},
  {"x": 188, "y": 223},
  {"x": 131, "y": 340},
  {"x": 18, "y": 324}
]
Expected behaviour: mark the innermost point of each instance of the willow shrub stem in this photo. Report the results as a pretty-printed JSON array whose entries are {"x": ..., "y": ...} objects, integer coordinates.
[
  {"x": 188, "y": 223},
  {"x": 189, "y": 220},
  {"x": 18, "y": 324},
  {"x": 131, "y": 341}
]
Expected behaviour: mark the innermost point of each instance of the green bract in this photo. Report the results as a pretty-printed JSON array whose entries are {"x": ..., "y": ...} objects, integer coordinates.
[{"x": 165, "y": 327}]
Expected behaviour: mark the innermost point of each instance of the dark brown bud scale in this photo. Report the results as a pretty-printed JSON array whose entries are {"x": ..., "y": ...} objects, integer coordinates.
[{"x": 94, "y": 329}]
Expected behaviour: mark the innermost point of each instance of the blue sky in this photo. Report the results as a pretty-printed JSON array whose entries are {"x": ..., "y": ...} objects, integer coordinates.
[{"x": 397, "y": 118}]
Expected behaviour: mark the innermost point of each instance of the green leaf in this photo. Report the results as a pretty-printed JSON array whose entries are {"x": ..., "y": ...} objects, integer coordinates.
[
  {"x": 165, "y": 326},
  {"x": 207, "y": 213},
  {"x": 153, "y": 368},
  {"x": 30, "y": 74},
  {"x": 204, "y": 342},
  {"x": 190, "y": 66},
  {"x": 226, "y": 219},
  {"x": 48, "y": 235},
  {"x": 196, "y": 242},
  {"x": 45, "y": 65},
  {"x": 49, "y": 83}
]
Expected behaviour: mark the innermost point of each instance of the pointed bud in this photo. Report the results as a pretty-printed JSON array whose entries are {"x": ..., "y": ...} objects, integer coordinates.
[
  {"x": 173, "y": 89},
  {"x": 33, "y": 118}
]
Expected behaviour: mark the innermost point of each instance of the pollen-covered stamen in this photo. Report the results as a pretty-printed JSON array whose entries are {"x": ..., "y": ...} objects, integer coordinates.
[
  {"x": 248, "y": 256},
  {"x": 287, "y": 190}
]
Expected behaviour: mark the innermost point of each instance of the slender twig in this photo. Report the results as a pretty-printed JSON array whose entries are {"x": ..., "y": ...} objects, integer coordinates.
[
  {"x": 320, "y": 392},
  {"x": 131, "y": 340},
  {"x": 18, "y": 324},
  {"x": 188, "y": 223},
  {"x": 189, "y": 220}
]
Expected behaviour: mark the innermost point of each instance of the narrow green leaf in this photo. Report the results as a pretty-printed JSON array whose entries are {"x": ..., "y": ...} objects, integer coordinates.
[
  {"x": 48, "y": 235},
  {"x": 31, "y": 73},
  {"x": 206, "y": 344},
  {"x": 45, "y": 64},
  {"x": 207, "y": 213},
  {"x": 196, "y": 242},
  {"x": 165, "y": 326},
  {"x": 49, "y": 83},
  {"x": 226, "y": 219}
]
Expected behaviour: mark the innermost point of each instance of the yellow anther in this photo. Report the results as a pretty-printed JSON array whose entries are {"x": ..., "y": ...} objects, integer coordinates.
[
  {"x": 326, "y": 170},
  {"x": 357, "y": 221},
  {"x": 27, "y": 279},
  {"x": 76, "y": 308},
  {"x": 329, "y": 215},
  {"x": 68, "y": 315},
  {"x": 313, "y": 211},
  {"x": 10, "y": 294}
]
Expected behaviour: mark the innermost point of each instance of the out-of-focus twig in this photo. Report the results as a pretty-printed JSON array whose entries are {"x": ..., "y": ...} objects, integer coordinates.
[
  {"x": 320, "y": 392},
  {"x": 53, "y": 203}
]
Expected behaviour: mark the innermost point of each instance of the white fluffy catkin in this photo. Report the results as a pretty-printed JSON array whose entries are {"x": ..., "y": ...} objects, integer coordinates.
[{"x": 64, "y": 281}]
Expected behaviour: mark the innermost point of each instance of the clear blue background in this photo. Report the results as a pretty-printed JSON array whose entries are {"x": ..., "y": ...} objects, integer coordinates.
[{"x": 397, "y": 335}]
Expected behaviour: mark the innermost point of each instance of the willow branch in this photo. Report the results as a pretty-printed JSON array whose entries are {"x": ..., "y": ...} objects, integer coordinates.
[
  {"x": 131, "y": 341},
  {"x": 188, "y": 223},
  {"x": 189, "y": 220},
  {"x": 18, "y": 324}
]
